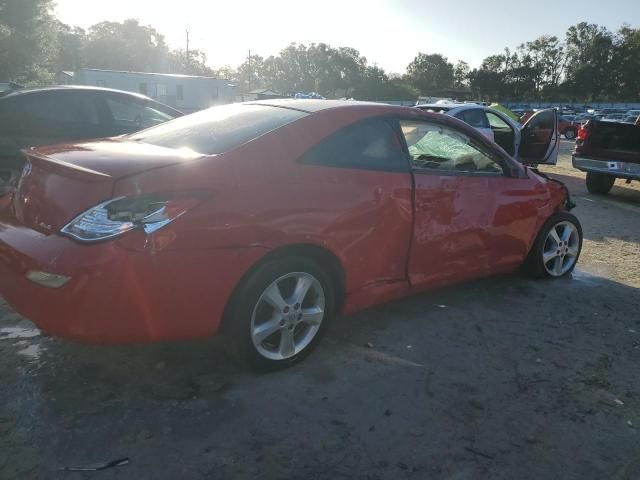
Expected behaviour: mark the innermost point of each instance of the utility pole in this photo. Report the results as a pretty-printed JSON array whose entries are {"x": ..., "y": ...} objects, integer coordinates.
[
  {"x": 187, "y": 52},
  {"x": 250, "y": 71}
]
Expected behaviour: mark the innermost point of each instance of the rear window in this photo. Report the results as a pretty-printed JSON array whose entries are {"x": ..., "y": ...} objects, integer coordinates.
[{"x": 218, "y": 129}]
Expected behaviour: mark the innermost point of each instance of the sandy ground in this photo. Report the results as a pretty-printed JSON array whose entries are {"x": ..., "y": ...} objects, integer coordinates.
[{"x": 506, "y": 378}]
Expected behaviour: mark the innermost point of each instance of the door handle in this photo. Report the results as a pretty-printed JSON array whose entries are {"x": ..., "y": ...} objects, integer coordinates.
[{"x": 425, "y": 204}]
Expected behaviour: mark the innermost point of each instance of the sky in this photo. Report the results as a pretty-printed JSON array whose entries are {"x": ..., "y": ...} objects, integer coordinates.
[{"x": 389, "y": 33}]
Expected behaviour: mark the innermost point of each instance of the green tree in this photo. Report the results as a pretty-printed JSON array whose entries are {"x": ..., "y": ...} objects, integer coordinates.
[
  {"x": 27, "y": 40},
  {"x": 126, "y": 46},
  {"x": 430, "y": 73},
  {"x": 626, "y": 64},
  {"x": 70, "y": 44},
  {"x": 590, "y": 50},
  {"x": 461, "y": 74}
]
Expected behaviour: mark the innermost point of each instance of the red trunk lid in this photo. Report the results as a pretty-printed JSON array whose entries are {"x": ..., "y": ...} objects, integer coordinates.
[{"x": 60, "y": 182}]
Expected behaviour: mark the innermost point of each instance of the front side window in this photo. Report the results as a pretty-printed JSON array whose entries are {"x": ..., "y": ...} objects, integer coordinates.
[
  {"x": 436, "y": 147},
  {"x": 219, "y": 129},
  {"x": 366, "y": 145},
  {"x": 127, "y": 113},
  {"x": 496, "y": 122}
]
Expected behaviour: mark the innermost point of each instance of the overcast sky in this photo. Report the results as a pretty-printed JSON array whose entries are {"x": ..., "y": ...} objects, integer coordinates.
[{"x": 389, "y": 33}]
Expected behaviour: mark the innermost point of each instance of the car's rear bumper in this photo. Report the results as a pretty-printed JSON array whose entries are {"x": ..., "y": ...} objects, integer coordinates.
[
  {"x": 614, "y": 168},
  {"x": 116, "y": 295}
]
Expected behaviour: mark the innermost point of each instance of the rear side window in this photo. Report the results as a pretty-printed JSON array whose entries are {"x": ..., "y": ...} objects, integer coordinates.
[
  {"x": 219, "y": 129},
  {"x": 367, "y": 145},
  {"x": 476, "y": 118}
]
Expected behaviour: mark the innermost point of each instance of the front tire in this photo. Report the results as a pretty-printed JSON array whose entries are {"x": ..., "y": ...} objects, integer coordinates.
[
  {"x": 599, "y": 183},
  {"x": 279, "y": 313},
  {"x": 557, "y": 247}
]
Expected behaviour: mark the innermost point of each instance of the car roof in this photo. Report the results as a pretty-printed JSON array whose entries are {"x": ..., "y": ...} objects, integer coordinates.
[
  {"x": 312, "y": 106},
  {"x": 53, "y": 88},
  {"x": 446, "y": 107}
]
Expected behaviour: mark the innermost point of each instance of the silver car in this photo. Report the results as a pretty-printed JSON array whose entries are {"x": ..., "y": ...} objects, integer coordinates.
[{"x": 536, "y": 142}]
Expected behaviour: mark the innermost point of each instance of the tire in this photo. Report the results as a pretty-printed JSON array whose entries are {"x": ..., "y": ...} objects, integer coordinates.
[
  {"x": 252, "y": 313},
  {"x": 570, "y": 133},
  {"x": 555, "y": 256},
  {"x": 599, "y": 183}
]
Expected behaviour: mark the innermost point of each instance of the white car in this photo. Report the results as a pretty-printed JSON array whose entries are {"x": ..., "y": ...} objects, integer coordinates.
[{"x": 542, "y": 143}]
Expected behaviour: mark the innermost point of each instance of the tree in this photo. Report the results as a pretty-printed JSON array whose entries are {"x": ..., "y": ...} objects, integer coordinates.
[
  {"x": 589, "y": 56},
  {"x": 430, "y": 73},
  {"x": 26, "y": 40},
  {"x": 70, "y": 43},
  {"x": 625, "y": 64},
  {"x": 126, "y": 46},
  {"x": 461, "y": 74}
]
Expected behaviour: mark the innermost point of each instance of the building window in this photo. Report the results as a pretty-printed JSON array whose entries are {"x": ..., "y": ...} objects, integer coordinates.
[
  {"x": 143, "y": 88},
  {"x": 179, "y": 92}
]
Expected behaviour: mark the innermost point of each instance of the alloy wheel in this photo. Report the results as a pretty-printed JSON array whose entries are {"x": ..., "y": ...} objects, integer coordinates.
[
  {"x": 561, "y": 249},
  {"x": 288, "y": 316}
]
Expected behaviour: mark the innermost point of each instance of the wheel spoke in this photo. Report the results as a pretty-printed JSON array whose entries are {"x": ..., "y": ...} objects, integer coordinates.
[
  {"x": 302, "y": 287},
  {"x": 287, "y": 346},
  {"x": 274, "y": 298},
  {"x": 553, "y": 234},
  {"x": 312, "y": 316},
  {"x": 572, "y": 251},
  {"x": 265, "y": 330},
  {"x": 557, "y": 266},
  {"x": 566, "y": 233},
  {"x": 547, "y": 256}
]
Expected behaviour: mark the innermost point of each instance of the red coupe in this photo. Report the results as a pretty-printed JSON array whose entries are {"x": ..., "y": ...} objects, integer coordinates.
[{"x": 262, "y": 220}]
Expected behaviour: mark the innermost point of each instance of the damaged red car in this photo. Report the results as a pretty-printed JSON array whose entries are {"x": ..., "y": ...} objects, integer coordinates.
[{"x": 261, "y": 221}]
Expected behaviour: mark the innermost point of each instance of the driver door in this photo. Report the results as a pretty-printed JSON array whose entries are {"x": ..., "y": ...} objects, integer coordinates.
[
  {"x": 454, "y": 202},
  {"x": 540, "y": 139}
]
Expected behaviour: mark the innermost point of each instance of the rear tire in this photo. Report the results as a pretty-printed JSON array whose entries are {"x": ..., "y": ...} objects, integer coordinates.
[
  {"x": 557, "y": 248},
  {"x": 599, "y": 183},
  {"x": 279, "y": 313}
]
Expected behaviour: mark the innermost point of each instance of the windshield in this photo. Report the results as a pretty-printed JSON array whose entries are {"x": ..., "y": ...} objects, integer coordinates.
[{"x": 218, "y": 129}]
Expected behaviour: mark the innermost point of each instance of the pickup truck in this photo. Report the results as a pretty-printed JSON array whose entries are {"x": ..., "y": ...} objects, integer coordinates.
[{"x": 606, "y": 151}]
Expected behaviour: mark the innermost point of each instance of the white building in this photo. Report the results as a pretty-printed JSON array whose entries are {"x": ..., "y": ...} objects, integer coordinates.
[{"x": 187, "y": 93}]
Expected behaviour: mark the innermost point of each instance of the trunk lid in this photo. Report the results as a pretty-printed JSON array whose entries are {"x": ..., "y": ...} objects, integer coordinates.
[{"x": 60, "y": 182}]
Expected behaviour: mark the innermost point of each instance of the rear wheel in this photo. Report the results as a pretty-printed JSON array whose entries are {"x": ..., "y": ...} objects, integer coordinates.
[
  {"x": 570, "y": 133},
  {"x": 279, "y": 313},
  {"x": 557, "y": 248},
  {"x": 599, "y": 183}
]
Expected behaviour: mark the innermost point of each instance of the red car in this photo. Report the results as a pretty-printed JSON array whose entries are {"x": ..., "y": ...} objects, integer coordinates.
[{"x": 262, "y": 220}]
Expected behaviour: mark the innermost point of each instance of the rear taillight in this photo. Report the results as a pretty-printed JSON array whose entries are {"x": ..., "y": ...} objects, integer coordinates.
[
  {"x": 583, "y": 133},
  {"x": 120, "y": 215}
]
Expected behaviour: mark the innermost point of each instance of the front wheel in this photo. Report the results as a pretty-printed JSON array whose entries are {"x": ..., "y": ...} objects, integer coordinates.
[
  {"x": 557, "y": 248},
  {"x": 279, "y": 313},
  {"x": 599, "y": 183}
]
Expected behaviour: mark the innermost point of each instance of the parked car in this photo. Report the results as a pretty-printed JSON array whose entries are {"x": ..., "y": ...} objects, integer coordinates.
[
  {"x": 44, "y": 116},
  {"x": 607, "y": 151},
  {"x": 262, "y": 220},
  {"x": 568, "y": 126},
  {"x": 540, "y": 129},
  {"x": 613, "y": 117}
]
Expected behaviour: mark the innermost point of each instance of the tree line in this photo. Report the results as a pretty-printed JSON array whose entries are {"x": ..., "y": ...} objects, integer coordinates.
[{"x": 591, "y": 63}]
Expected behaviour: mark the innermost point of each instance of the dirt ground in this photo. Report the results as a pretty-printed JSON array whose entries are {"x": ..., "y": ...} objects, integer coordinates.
[{"x": 505, "y": 378}]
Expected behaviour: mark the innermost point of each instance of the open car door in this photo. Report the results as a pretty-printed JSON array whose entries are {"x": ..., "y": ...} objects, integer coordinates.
[{"x": 540, "y": 139}]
